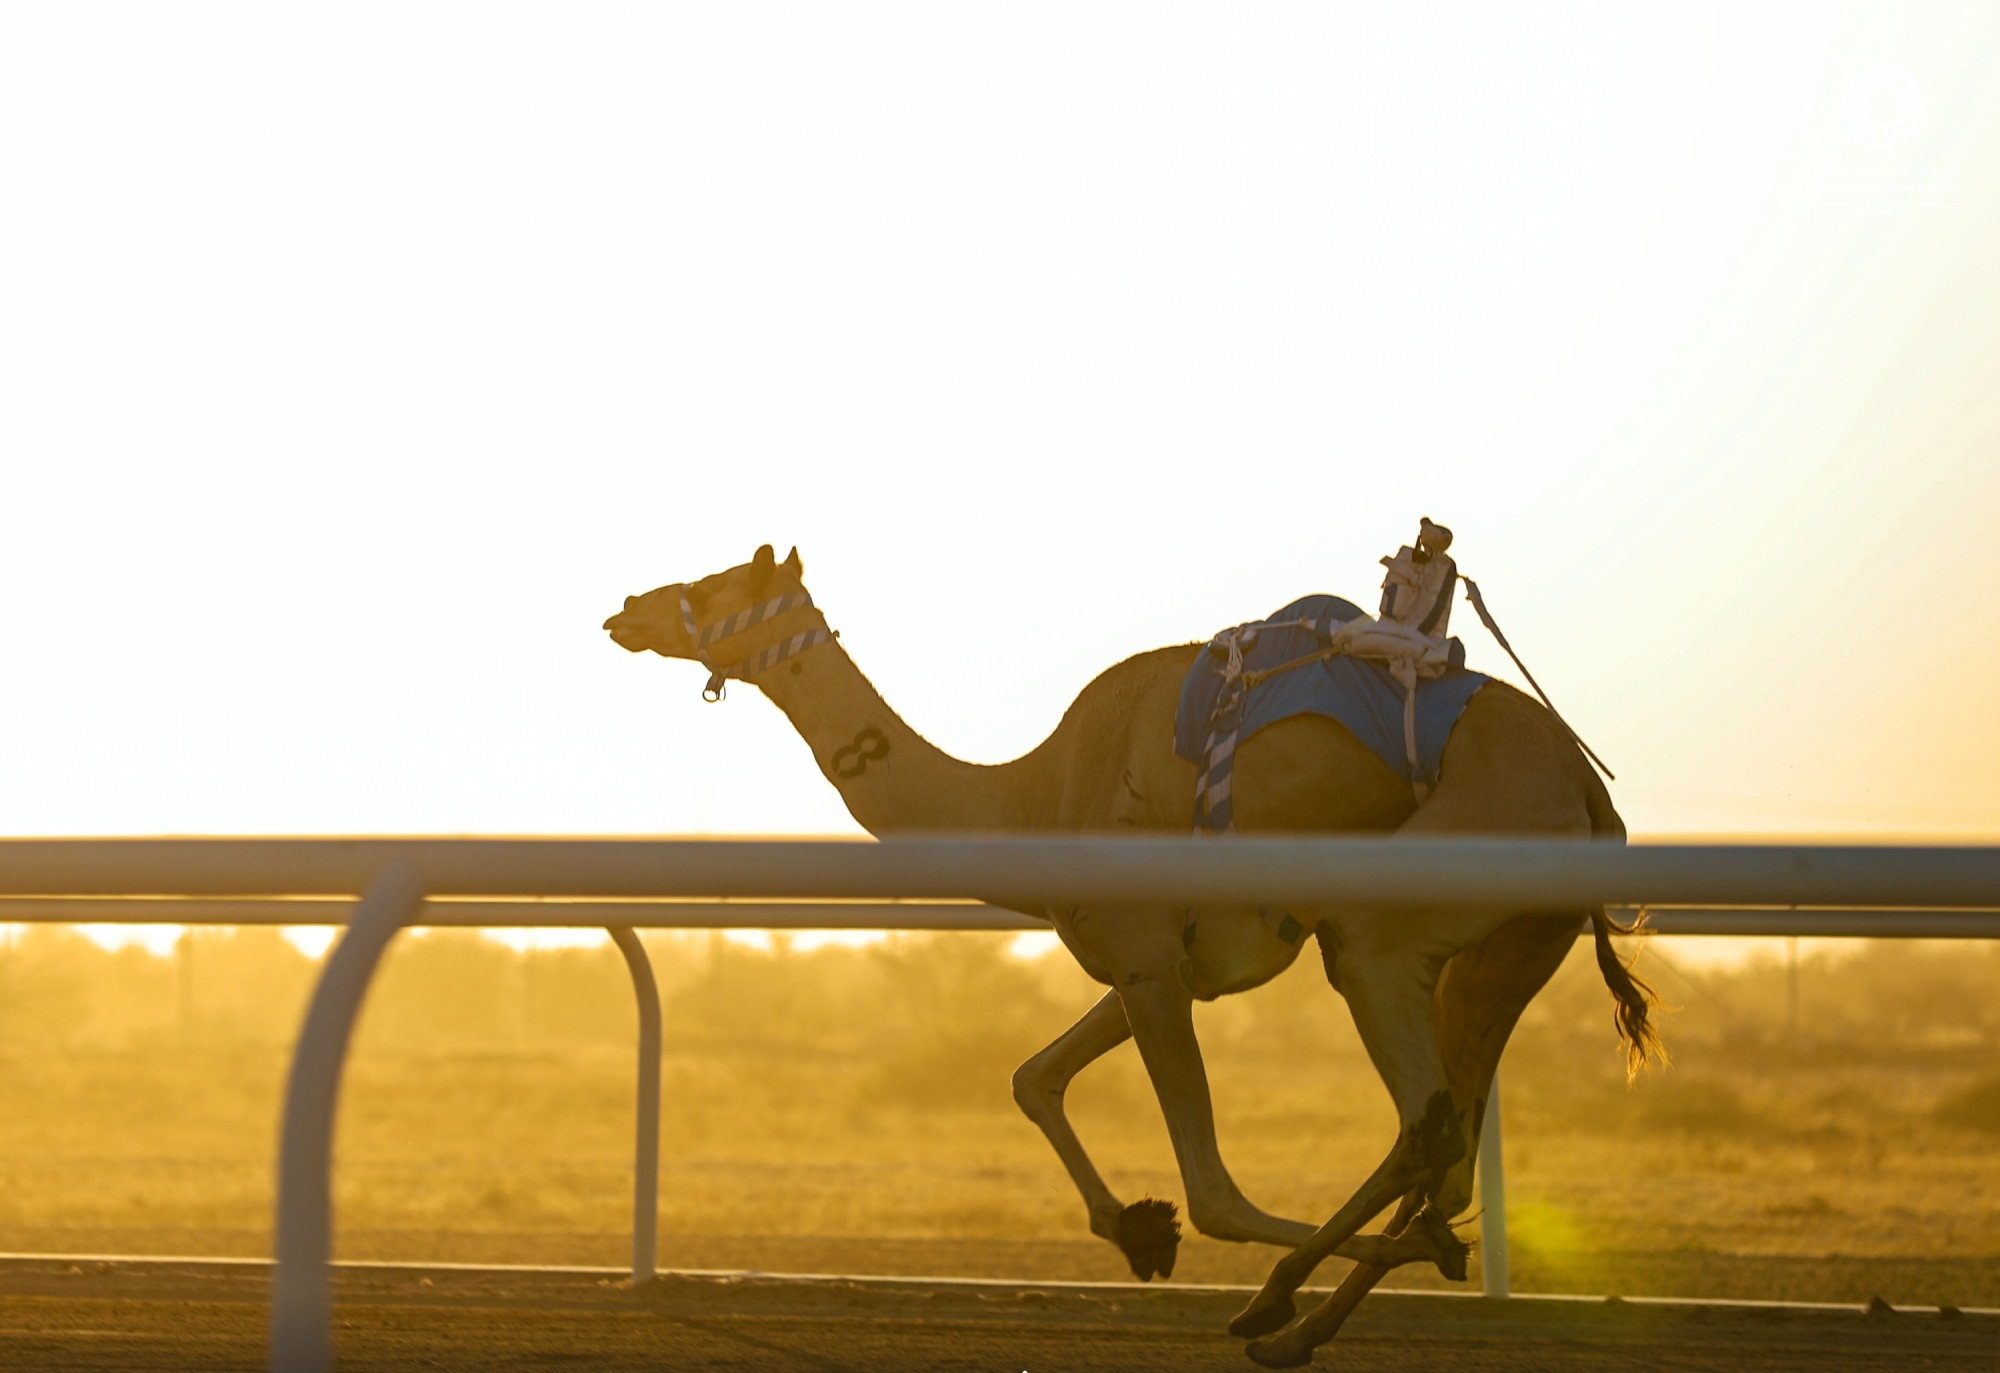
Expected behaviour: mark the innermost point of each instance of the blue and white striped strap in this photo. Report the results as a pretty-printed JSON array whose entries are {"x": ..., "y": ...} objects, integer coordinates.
[
  {"x": 775, "y": 654},
  {"x": 701, "y": 638},
  {"x": 1214, "y": 805},
  {"x": 742, "y": 619}
]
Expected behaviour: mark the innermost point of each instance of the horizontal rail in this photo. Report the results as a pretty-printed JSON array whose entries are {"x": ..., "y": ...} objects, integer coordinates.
[
  {"x": 1483, "y": 874},
  {"x": 909, "y": 883},
  {"x": 652, "y": 915},
  {"x": 1824, "y": 924},
  {"x": 889, "y": 915}
]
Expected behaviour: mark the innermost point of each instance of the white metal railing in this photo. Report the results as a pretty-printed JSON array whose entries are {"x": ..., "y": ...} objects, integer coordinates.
[
  {"x": 1493, "y": 874},
  {"x": 461, "y": 914},
  {"x": 930, "y": 883},
  {"x": 1815, "y": 921}
]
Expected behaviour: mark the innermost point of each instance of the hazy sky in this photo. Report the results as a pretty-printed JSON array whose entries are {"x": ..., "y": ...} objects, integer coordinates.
[{"x": 356, "y": 363}]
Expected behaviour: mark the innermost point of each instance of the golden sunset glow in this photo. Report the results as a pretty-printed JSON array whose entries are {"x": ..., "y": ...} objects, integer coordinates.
[
  {"x": 401, "y": 404},
  {"x": 338, "y": 424}
]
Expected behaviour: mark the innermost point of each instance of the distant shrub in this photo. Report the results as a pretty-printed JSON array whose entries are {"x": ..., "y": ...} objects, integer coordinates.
[
  {"x": 1695, "y": 1106},
  {"x": 955, "y": 1016},
  {"x": 1976, "y": 1107},
  {"x": 46, "y": 981}
]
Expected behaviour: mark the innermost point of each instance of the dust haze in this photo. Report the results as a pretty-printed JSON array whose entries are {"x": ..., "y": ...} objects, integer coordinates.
[{"x": 847, "y": 1109}]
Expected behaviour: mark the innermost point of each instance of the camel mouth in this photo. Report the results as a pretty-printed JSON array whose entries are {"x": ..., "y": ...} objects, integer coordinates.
[{"x": 625, "y": 633}]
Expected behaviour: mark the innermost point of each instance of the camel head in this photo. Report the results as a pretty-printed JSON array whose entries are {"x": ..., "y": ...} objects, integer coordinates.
[{"x": 654, "y": 620}]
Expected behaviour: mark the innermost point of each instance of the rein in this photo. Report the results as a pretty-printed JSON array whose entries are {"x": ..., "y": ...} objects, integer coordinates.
[
  {"x": 702, "y": 636},
  {"x": 1486, "y": 618}
]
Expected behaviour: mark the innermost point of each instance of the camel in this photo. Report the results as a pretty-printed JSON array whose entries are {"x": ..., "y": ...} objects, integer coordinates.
[{"x": 1434, "y": 995}]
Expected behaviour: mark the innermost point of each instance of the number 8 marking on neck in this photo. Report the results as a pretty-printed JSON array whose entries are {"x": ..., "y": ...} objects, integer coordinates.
[{"x": 852, "y": 760}]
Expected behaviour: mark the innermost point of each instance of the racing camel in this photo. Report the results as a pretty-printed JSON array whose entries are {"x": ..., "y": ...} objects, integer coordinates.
[{"x": 1434, "y": 996}]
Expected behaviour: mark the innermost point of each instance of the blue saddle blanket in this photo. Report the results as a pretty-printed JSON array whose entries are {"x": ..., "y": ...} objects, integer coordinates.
[{"x": 1362, "y": 694}]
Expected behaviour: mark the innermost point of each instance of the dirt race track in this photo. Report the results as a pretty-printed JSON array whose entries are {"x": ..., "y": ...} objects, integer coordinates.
[{"x": 185, "y": 1315}]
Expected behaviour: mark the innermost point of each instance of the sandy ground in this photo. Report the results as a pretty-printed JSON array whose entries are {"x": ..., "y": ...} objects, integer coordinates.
[
  {"x": 142, "y": 1316},
  {"x": 847, "y": 1111},
  {"x": 1904, "y": 1280}
]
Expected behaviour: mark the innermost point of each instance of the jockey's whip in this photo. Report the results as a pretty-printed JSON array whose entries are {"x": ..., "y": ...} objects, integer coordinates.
[{"x": 1486, "y": 618}]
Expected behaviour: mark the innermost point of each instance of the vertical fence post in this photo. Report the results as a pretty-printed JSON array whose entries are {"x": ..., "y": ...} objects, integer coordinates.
[
  {"x": 1792, "y": 993},
  {"x": 1492, "y": 1198},
  {"x": 184, "y": 986},
  {"x": 646, "y": 1150},
  {"x": 301, "y": 1286}
]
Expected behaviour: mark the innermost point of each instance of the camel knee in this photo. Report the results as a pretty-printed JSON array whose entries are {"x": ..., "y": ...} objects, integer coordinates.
[
  {"x": 1038, "y": 1090},
  {"x": 1428, "y": 1151},
  {"x": 1450, "y": 1191}
]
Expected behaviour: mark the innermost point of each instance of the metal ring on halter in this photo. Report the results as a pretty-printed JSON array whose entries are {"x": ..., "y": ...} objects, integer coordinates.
[{"x": 713, "y": 692}]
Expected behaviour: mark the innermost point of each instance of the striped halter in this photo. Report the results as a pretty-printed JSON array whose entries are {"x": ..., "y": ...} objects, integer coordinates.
[{"x": 701, "y": 638}]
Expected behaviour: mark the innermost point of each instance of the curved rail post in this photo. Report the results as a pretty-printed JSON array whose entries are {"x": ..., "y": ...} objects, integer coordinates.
[
  {"x": 301, "y": 1287},
  {"x": 1492, "y": 1198},
  {"x": 646, "y": 1152}
]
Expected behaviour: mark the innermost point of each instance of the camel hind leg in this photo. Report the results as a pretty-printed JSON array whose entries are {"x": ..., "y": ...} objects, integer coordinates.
[
  {"x": 1390, "y": 986},
  {"x": 1506, "y": 771},
  {"x": 1479, "y": 1000}
]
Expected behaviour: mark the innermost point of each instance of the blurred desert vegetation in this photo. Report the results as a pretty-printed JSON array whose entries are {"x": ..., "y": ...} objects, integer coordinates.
[{"x": 848, "y": 1108}]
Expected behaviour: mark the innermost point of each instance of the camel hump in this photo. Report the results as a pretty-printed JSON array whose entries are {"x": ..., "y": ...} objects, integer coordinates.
[{"x": 1295, "y": 662}]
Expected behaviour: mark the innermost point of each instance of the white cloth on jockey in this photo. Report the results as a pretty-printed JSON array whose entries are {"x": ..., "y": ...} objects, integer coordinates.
[
  {"x": 1393, "y": 642},
  {"x": 1416, "y": 598},
  {"x": 1418, "y": 593},
  {"x": 1409, "y": 653}
]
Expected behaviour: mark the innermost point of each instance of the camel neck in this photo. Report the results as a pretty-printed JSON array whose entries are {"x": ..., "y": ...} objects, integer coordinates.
[{"x": 891, "y": 777}]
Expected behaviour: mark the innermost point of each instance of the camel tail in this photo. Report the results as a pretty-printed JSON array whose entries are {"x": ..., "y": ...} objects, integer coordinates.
[
  {"x": 1635, "y": 997},
  {"x": 1637, "y": 1001}
]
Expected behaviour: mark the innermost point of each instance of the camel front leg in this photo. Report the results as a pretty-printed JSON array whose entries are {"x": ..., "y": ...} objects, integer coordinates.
[
  {"x": 1161, "y": 1016},
  {"x": 1146, "y": 1231},
  {"x": 1039, "y": 1087}
]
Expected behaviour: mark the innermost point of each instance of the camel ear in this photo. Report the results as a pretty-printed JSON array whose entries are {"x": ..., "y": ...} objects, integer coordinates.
[
  {"x": 762, "y": 566},
  {"x": 792, "y": 563}
]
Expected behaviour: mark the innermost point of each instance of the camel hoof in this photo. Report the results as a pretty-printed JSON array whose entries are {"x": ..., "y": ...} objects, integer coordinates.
[
  {"x": 1150, "y": 1235},
  {"x": 1448, "y": 1251},
  {"x": 1282, "y": 1351},
  {"x": 1263, "y": 1316}
]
